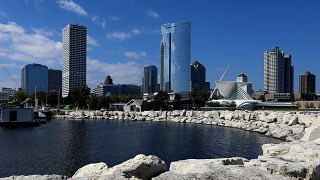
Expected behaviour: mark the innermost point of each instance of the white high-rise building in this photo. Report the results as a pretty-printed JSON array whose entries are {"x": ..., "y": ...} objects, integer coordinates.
[
  {"x": 74, "y": 62},
  {"x": 278, "y": 72}
]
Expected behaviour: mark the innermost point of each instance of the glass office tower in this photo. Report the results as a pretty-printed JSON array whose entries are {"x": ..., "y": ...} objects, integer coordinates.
[
  {"x": 34, "y": 77},
  {"x": 175, "y": 49}
]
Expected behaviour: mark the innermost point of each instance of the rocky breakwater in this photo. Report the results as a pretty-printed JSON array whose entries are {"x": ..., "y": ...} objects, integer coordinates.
[
  {"x": 298, "y": 159},
  {"x": 288, "y": 160},
  {"x": 284, "y": 125}
]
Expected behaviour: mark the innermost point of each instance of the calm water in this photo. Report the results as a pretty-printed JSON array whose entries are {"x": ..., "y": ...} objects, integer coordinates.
[{"x": 61, "y": 147}]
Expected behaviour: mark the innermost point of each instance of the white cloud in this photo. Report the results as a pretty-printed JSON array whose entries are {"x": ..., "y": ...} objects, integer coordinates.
[
  {"x": 122, "y": 73},
  {"x": 119, "y": 35},
  {"x": 92, "y": 41},
  {"x": 152, "y": 14},
  {"x": 134, "y": 55},
  {"x": 70, "y": 5},
  {"x": 17, "y": 44},
  {"x": 99, "y": 21},
  {"x": 114, "y": 18},
  {"x": 11, "y": 27}
]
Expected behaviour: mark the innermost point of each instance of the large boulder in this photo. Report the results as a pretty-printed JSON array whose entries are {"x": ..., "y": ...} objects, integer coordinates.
[
  {"x": 220, "y": 169},
  {"x": 202, "y": 165},
  {"x": 298, "y": 159},
  {"x": 141, "y": 167},
  {"x": 91, "y": 170},
  {"x": 311, "y": 133}
]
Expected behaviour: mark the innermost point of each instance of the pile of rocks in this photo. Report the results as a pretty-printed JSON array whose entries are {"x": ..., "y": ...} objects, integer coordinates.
[{"x": 283, "y": 125}]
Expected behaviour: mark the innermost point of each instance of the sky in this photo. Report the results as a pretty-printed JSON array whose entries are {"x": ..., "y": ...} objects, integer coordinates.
[{"x": 123, "y": 36}]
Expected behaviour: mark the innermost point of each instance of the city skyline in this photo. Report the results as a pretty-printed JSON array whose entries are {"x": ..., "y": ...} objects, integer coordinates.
[{"x": 123, "y": 39}]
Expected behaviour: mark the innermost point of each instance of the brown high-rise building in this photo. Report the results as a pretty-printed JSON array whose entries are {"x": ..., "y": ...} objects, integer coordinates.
[{"x": 307, "y": 83}]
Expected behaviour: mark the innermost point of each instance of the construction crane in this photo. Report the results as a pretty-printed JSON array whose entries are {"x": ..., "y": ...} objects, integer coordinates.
[{"x": 212, "y": 92}]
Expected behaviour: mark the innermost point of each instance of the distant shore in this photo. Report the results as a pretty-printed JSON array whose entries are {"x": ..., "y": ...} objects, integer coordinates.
[{"x": 285, "y": 125}]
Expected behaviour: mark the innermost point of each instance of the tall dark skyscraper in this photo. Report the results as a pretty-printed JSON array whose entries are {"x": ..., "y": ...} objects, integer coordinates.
[
  {"x": 74, "y": 58},
  {"x": 54, "y": 80},
  {"x": 278, "y": 71},
  {"x": 198, "y": 77},
  {"x": 150, "y": 79},
  {"x": 307, "y": 83},
  {"x": 175, "y": 57}
]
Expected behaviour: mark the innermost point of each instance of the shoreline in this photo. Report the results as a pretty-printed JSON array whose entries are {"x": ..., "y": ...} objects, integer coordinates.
[
  {"x": 298, "y": 157},
  {"x": 284, "y": 125}
]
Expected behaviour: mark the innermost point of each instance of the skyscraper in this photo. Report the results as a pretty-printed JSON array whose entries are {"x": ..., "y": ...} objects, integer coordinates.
[
  {"x": 198, "y": 77},
  {"x": 34, "y": 77},
  {"x": 74, "y": 53},
  {"x": 278, "y": 72},
  {"x": 54, "y": 80},
  {"x": 307, "y": 83},
  {"x": 150, "y": 79},
  {"x": 175, "y": 49}
]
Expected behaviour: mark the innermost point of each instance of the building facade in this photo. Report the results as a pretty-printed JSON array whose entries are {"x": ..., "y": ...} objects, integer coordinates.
[
  {"x": 34, "y": 77},
  {"x": 278, "y": 71},
  {"x": 307, "y": 83},
  {"x": 175, "y": 48},
  {"x": 150, "y": 79},
  {"x": 107, "y": 88},
  {"x": 198, "y": 77},
  {"x": 9, "y": 91},
  {"x": 54, "y": 81},
  {"x": 74, "y": 54}
]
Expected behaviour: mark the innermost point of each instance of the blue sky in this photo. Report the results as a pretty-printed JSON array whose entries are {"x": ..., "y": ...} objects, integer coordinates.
[{"x": 124, "y": 35}]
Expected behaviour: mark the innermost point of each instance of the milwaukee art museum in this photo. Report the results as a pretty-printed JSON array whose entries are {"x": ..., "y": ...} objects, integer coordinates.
[{"x": 239, "y": 92}]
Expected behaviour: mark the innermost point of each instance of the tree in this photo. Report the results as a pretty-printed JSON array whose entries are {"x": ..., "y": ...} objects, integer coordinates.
[
  {"x": 78, "y": 97},
  {"x": 92, "y": 102},
  {"x": 21, "y": 96},
  {"x": 177, "y": 101},
  {"x": 160, "y": 101},
  {"x": 199, "y": 98}
]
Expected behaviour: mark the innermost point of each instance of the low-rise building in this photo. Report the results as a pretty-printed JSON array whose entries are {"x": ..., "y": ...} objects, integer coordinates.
[
  {"x": 133, "y": 105},
  {"x": 9, "y": 91}
]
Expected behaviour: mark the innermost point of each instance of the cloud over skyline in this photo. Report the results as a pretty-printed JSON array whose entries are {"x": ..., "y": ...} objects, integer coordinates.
[
  {"x": 152, "y": 14},
  {"x": 20, "y": 45},
  {"x": 70, "y": 5},
  {"x": 134, "y": 54}
]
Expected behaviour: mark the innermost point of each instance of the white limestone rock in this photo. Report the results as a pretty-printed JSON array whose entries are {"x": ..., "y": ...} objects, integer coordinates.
[
  {"x": 298, "y": 159},
  {"x": 311, "y": 133},
  {"x": 175, "y": 113},
  {"x": 141, "y": 166},
  {"x": 216, "y": 171},
  {"x": 91, "y": 170}
]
